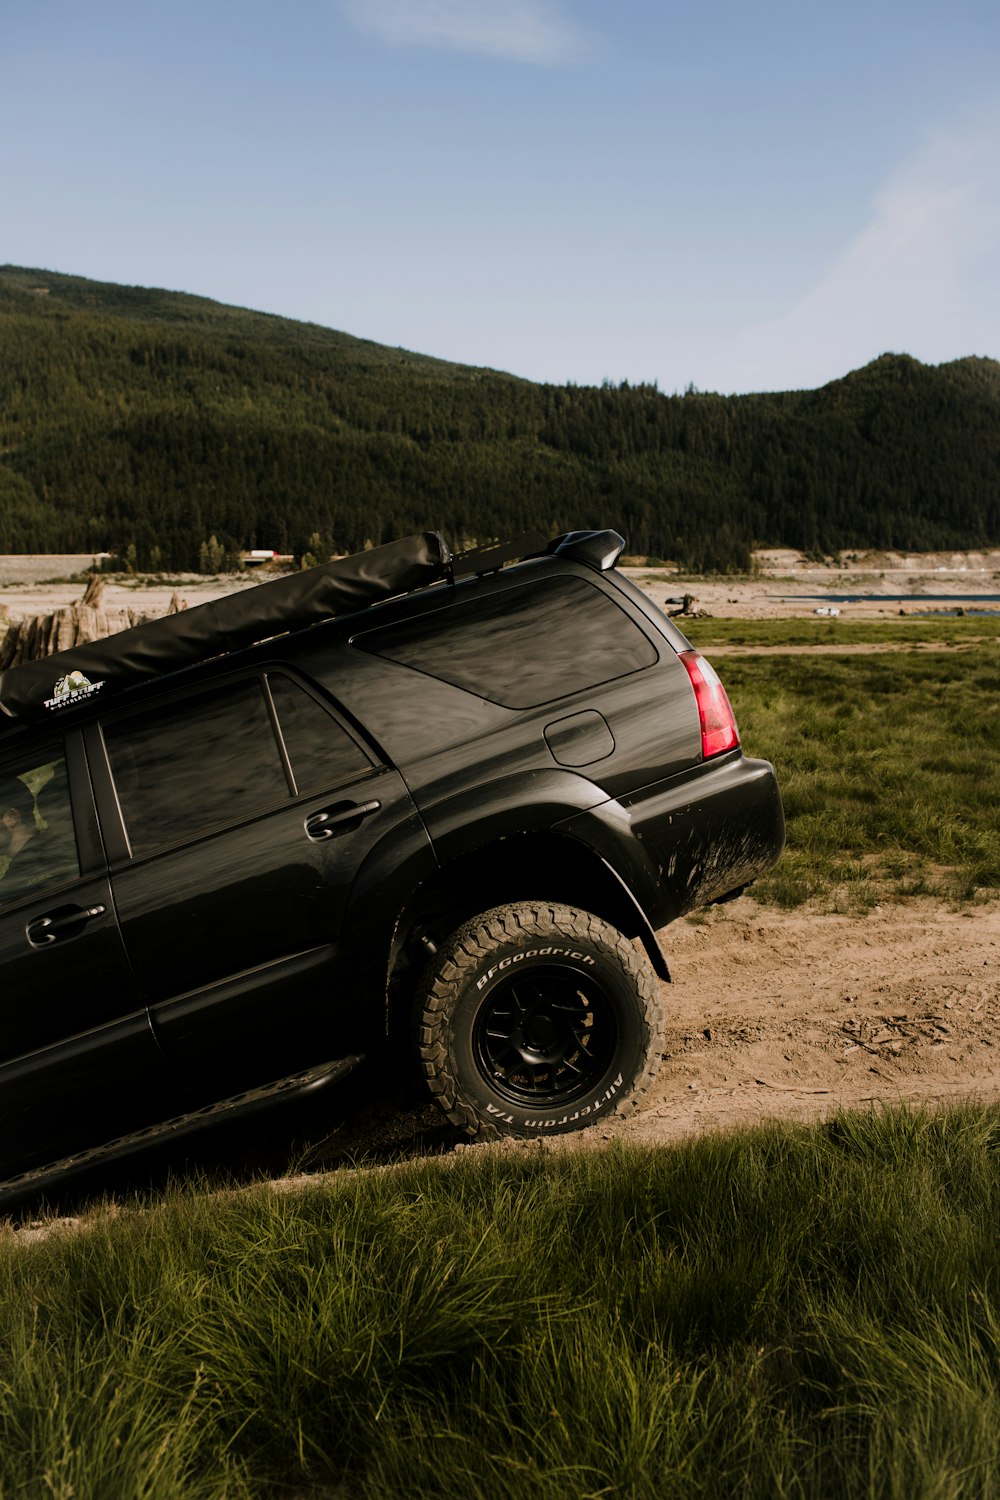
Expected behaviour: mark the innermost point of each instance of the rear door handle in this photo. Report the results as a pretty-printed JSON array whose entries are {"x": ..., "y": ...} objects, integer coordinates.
[
  {"x": 48, "y": 929},
  {"x": 339, "y": 818}
]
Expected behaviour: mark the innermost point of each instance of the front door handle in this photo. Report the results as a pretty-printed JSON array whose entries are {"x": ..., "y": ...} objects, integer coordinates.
[
  {"x": 338, "y": 819},
  {"x": 48, "y": 929}
]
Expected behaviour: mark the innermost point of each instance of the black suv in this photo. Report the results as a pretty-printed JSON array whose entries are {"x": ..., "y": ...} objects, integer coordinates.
[{"x": 401, "y": 798}]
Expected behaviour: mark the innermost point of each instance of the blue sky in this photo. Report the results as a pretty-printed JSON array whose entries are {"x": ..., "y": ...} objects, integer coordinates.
[{"x": 739, "y": 196}]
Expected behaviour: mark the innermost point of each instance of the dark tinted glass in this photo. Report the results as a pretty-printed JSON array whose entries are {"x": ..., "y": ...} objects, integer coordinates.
[
  {"x": 321, "y": 752},
  {"x": 523, "y": 647},
  {"x": 37, "y": 846},
  {"x": 183, "y": 767}
]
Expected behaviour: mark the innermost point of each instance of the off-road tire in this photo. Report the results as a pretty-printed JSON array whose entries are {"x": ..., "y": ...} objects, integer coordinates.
[{"x": 537, "y": 1019}]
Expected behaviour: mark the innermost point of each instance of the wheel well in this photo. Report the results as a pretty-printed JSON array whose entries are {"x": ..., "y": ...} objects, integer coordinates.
[{"x": 523, "y": 867}]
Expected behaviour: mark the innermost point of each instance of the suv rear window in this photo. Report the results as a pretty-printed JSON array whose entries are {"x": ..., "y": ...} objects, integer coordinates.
[{"x": 523, "y": 647}]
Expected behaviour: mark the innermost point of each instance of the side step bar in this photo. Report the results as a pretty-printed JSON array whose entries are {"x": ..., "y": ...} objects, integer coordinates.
[{"x": 240, "y": 1107}]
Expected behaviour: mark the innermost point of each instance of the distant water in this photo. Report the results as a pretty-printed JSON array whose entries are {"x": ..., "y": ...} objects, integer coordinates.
[{"x": 964, "y": 601}]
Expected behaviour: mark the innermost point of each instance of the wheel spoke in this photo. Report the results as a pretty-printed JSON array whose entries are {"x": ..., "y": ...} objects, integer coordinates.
[
  {"x": 505, "y": 1059},
  {"x": 569, "y": 1007},
  {"x": 518, "y": 1007},
  {"x": 567, "y": 1062}
]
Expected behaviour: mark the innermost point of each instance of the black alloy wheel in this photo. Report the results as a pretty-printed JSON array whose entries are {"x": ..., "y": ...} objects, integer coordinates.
[
  {"x": 546, "y": 1036},
  {"x": 535, "y": 1019}
]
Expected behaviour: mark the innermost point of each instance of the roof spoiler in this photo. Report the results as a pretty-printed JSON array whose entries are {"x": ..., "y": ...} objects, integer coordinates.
[{"x": 597, "y": 549}]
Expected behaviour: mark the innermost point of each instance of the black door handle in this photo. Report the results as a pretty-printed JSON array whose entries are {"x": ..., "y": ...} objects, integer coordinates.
[
  {"x": 47, "y": 929},
  {"x": 340, "y": 817}
]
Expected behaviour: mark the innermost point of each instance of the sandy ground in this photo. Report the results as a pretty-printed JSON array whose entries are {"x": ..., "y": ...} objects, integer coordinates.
[
  {"x": 782, "y": 586},
  {"x": 797, "y": 1014},
  {"x": 771, "y": 1014},
  {"x": 34, "y": 585}
]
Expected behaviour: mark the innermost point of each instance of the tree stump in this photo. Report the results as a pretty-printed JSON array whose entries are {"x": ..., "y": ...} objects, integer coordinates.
[{"x": 36, "y": 636}]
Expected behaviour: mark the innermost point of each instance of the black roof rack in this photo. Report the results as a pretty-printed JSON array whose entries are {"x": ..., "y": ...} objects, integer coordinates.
[
  {"x": 479, "y": 561},
  {"x": 68, "y": 678}
]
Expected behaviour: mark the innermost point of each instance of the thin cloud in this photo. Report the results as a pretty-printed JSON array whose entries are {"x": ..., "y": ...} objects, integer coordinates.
[
  {"x": 526, "y": 31},
  {"x": 919, "y": 278}
]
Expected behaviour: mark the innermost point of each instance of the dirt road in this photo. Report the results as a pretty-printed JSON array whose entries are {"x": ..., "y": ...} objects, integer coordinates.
[
  {"x": 797, "y": 1014},
  {"x": 783, "y": 1015}
]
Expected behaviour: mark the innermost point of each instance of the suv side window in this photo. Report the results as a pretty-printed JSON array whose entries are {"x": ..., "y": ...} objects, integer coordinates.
[
  {"x": 320, "y": 752},
  {"x": 191, "y": 764},
  {"x": 523, "y": 647},
  {"x": 37, "y": 844}
]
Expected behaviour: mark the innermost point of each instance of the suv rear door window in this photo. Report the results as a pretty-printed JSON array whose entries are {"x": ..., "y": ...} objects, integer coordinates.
[
  {"x": 193, "y": 764},
  {"x": 320, "y": 752},
  {"x": 523, "y": 647}
]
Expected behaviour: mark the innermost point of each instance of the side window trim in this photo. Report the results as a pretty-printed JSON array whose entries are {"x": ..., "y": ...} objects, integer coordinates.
[
  {"x": 86, "y": 828},
  {"x": 185, "y": 804},
  {"x": 334, "y": 711},
  {"x": 117, "y": 845},
  {"x": 116, "y": 842},
  {"x": 286, "y": 764},
  {"x": 111, "y": 835},
  {"x": 331, "y": 705}
]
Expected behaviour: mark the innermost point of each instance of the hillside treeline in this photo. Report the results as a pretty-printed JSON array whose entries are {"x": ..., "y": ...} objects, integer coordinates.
[{"x": 147, "y": 422}]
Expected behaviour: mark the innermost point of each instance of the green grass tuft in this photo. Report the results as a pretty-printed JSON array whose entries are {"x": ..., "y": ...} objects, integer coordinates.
[
  {"x": 910, "y": 631},
  {"x": 781, "y": 1312}
]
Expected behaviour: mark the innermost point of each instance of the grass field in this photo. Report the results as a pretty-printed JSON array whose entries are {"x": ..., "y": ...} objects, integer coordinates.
[
  {"x": 888, "y": 762},
  {"x": 899, "y": 631},
  {"x": 784, "y": 1313}
]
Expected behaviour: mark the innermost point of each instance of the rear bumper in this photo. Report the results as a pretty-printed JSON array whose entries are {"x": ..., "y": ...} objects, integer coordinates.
[{"x": 690, "y": 840}]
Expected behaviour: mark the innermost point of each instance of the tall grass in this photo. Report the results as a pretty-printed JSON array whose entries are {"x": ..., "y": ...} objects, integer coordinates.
[{"x": 778, "y": 1313}]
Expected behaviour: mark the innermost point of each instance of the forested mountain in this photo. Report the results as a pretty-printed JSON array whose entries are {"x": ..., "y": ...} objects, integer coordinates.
[{"x": 150, "y": 419}]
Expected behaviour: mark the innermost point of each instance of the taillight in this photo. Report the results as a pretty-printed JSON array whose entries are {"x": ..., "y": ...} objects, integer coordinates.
[{"x": 718, "y": 723}]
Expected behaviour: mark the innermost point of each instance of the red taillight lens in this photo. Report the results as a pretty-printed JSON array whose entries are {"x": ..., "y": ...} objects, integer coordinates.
[{"x": 718, "y": 724}]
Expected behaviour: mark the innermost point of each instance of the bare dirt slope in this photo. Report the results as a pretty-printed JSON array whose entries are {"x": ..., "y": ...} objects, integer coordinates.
[
  {"x": 797, "y": 1014},
  {"x": 771, "y": 1015},
  {"x": 778, "y": 1015}
]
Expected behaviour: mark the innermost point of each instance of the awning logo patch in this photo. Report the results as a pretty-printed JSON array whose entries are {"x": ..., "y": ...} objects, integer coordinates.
[{"x": 71, "y": 689}]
